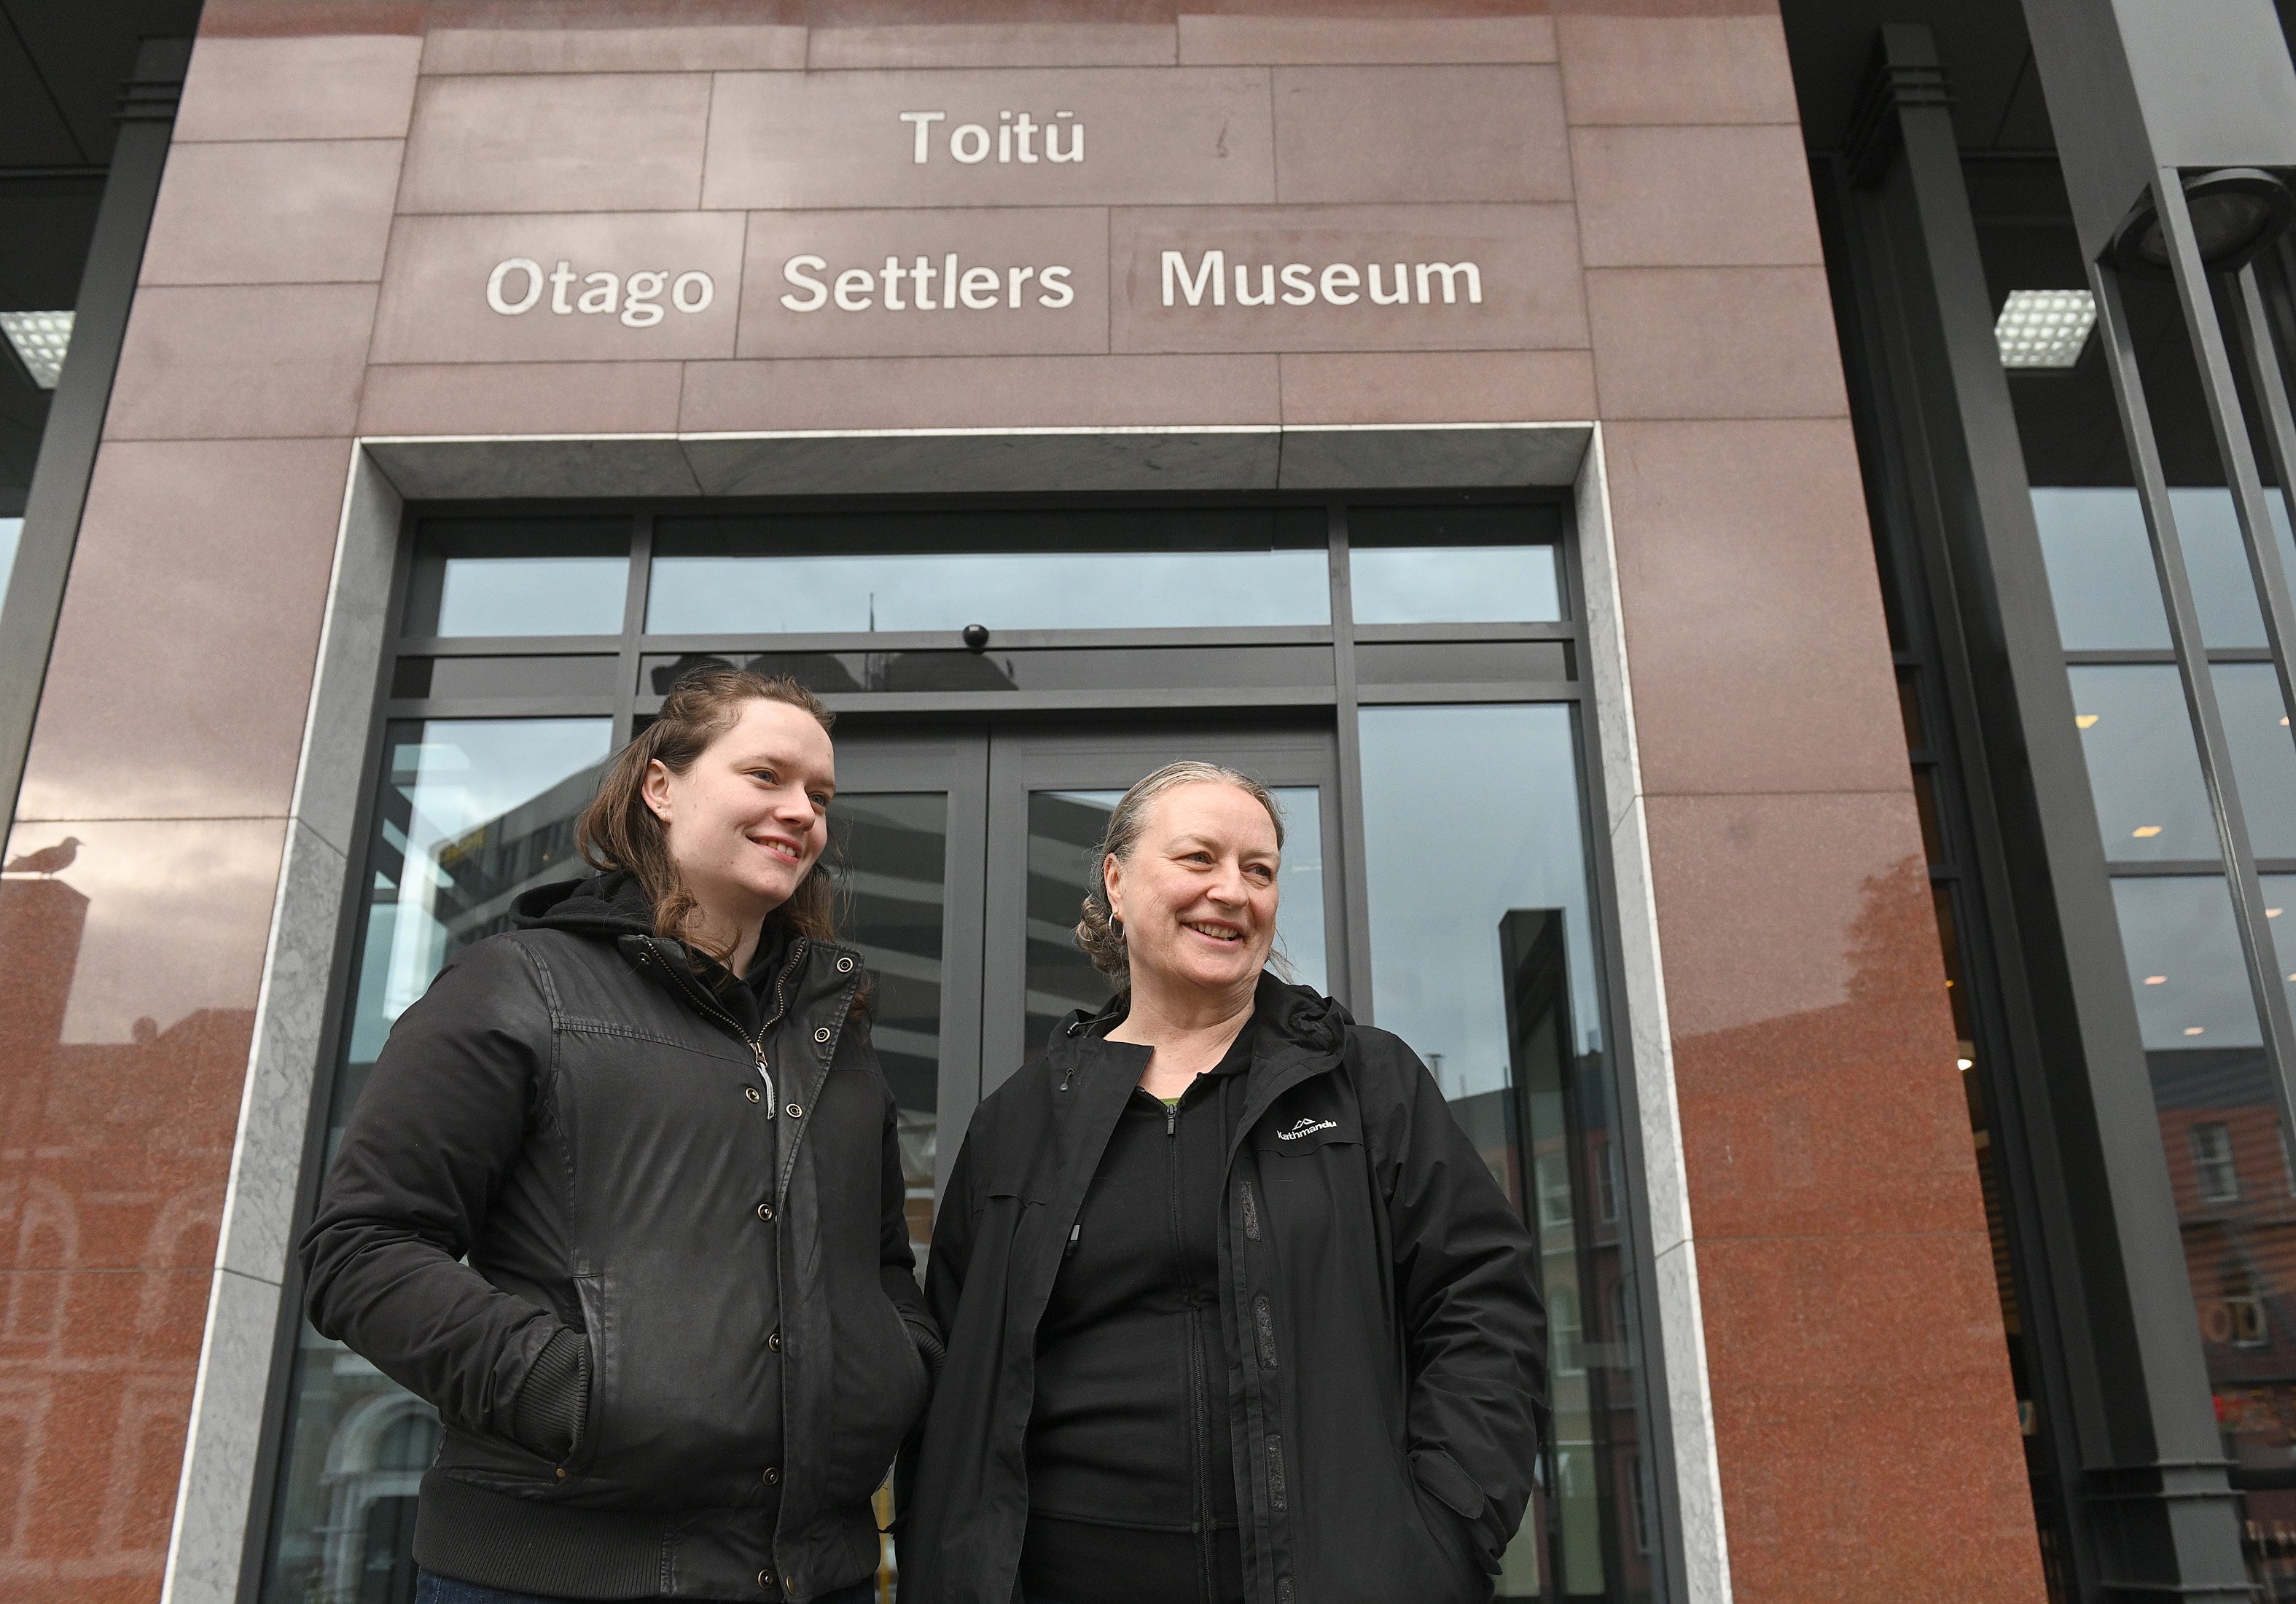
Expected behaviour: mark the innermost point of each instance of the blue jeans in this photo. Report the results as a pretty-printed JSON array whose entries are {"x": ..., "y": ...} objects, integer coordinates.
[{"x": 445, "y": 1590}]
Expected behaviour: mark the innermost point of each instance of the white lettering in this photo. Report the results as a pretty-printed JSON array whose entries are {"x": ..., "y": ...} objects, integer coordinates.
[
  {"x": 705, "y": 291},
  {"x": 1017, "y": 274},
  {"x": 1005, "y": 136},
  {"x": 1053, "y": 152},
  {"x": 600, "y": 297},
  {"x": 948, "y": 281},
  {"x": 853, "y": 290},
  {"x": 1297, "y": 290},
  {"x": 558, "y": 282},
  {"x": 1450, "y": 287},
  {"x": 1381, "y": 298},
  {"x": 1340, "y": 276},
  {"x": 1062, "y": 289},
  {"x": 642, "y": 307},
  {"x": 1028, "y": 131},
  {"x": 509, "y": 309},
  {"x": 923, "y": 274},
  {"x": 1243, "y": 295},
  {"x": 979, "y": 289},
  {"x": 1211, "y": 268},
  {"x": 924, "y": 121},
  {"x": 975, "y": 136},
  {"x": 794, "y": 270},
  {"x": 893, "y": 275}
]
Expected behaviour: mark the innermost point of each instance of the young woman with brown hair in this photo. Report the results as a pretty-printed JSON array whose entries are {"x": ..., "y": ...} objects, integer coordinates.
[{"x": 623, "y": 1199}]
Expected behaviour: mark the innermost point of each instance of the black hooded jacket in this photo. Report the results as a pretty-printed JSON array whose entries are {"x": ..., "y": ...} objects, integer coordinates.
[
  {"x": 1384, "y": 1338},
  {"x": 640, "y": 1239}
]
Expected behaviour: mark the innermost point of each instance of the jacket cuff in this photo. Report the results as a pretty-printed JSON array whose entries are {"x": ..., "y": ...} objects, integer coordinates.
[
  {"x": 547, "y": 1416},
  {"x": 929, "y": 1345}
]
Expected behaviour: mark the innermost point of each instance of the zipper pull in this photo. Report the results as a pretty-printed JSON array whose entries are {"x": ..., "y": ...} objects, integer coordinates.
[
  {"x": 766, "y": 1075},
  {"x": 1171, "y": 1118},
  {"x": 1076, "y": 1232}
]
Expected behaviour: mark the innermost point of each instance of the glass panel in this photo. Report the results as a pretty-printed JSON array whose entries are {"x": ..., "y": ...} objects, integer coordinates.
[
  {"x": 895, "y": 850},
  {"x": 2100, "y": 564},
  {"x": 528, "y": 577},
  {"x": 865, "y": 572},
  {"x": 2263, "y": 754},
  {"x": 2228, "y": 1165},
  {"x": 1454, "y": 565},
  {"x": 1463, "y": 662},
  {"x": 460, "y": 677},
  {"x": 1065, "y": 828},
  {"x": 12, "y": 530},
  {"x": 2143, "y": 765},
  {"x": 472, "y": 813},
  {"x": 1491, "y": 977},
  {"x": 1102, "y": 669}
]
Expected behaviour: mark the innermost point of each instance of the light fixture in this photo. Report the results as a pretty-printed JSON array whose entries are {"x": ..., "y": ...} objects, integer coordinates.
[
  {"x": 2272, "y": 912},
  {"x": 2195, "y": 1029},
  {"x": 41, "y": 339},
  {"x": 2156, "y": 979},
  {"x": 2236, "y": 212},
  {"x": 1967, "y": 1063},
  {"x": 2044, "y": 328},
  {"x": 2086, "y": 721},
  {"x": 2145, "y": 832}
]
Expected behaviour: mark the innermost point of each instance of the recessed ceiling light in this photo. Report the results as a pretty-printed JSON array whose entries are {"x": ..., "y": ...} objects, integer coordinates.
[
  {"x": 2084, "y": 720},
  {"x": 2145, "y": 832},
  {"x": 2156, "y": 979},
  {"x": 2195, "y": 1029},
  {"x": 41, "y": 339},
  {"x": 2044, "y": 328}
]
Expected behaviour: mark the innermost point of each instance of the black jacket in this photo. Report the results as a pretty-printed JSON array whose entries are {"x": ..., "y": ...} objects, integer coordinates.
[
  {"x": 1385, "y": 1342},
  {"x": 573, "y": 1110}
]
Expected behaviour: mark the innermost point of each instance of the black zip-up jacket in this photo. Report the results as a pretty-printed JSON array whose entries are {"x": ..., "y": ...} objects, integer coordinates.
[
  {"x": 704, "y": 1215},
  {"x": 1386, "y": 1346}
]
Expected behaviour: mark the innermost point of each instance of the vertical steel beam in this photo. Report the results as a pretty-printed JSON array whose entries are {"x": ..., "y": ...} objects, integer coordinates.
[{"x": 34, "y": 595}]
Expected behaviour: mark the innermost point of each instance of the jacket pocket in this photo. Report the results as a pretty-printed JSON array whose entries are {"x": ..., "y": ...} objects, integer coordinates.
[
  {"x": 1451, "y": 1506},
  {"x": 591, "y": 1291}
]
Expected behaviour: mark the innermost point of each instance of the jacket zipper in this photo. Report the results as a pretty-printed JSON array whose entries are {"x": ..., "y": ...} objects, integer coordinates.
[
  {"x": 756, "y": 1045},
  {"x": 1199, "y": 1385}
]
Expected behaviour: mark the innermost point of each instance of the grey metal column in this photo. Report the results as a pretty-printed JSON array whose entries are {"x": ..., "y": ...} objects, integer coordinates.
[
  {"x": 59, "y": 489},
  {"x": 2135, "y": 1455}
]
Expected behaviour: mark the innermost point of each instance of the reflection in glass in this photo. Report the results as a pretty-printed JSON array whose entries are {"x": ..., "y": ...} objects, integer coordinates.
[
  {"x": 868, "y": 572},
  {"x": 1065, "y": 830},
  {"x": 1083, "y": 668},
  {"x": 472, "y": 813},
  {"x": 2263, "y": 754},
  {"x": 2235, "y": 1193},
  {"x": 1452, "y": 584},
  {"x": 519, "y": 576},
  {"x": 12, "y": 530},
  {"x": 894, "y": 848},
  {"x": 2101, "y": 574},
  {"x": 2143, "y": 768},
  {"x": 1483, "y": 961}
]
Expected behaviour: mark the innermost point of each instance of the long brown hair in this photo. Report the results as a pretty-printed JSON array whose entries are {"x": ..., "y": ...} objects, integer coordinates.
[{"x": 618, "y": 830}]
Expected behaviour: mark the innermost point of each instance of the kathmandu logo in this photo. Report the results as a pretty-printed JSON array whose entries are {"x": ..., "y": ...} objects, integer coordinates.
[{"x": 1307, "y": 1128}]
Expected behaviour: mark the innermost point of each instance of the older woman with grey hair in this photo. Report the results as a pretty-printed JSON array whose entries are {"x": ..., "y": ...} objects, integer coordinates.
[{"x": 1234, "y": 1310}]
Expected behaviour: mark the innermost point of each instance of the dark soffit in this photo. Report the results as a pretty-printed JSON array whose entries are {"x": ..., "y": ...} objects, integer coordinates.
[{"x": 62, "y": 63}]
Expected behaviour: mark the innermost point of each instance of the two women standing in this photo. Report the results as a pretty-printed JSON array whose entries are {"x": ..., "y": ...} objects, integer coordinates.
[{"x": 1233, "y": 1311}]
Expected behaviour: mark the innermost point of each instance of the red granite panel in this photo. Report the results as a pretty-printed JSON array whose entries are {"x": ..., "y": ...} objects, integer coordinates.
[
  {"x": 238, "y": 363},
  {"x": 1301, "y": 41},
  {"x": 1029, "y": 281},
  {"x": 1755, "y": 639},
  {"x": 1419, "y": 134},
  {"x": 180, "y": 674},
  {"x": 513, "y": 45},
  {"x": 1714, "y": 342},
  {"x": 321, "y": 86},
  {"x": 1674, "y": 63},
  {"x": 260, "y": 212},
  {"x": 1477, "y": 278},
  {"x": 998, "y": 44},
  {"x": 1864, "y": 1418},
  {"x": 1814, "y": 1049},
  {"x": 1694, "y": 197},
  {"x": 557, "y": 142},
  {"x": 980, "y": 392},
  {"x": 1090, "y": 137},
  {"x": 1438, "y": 386},
  {"x": 521, "y": 399},
  {"x": 625, "y": 295},
  {"x": 96, "y": 1372}
]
